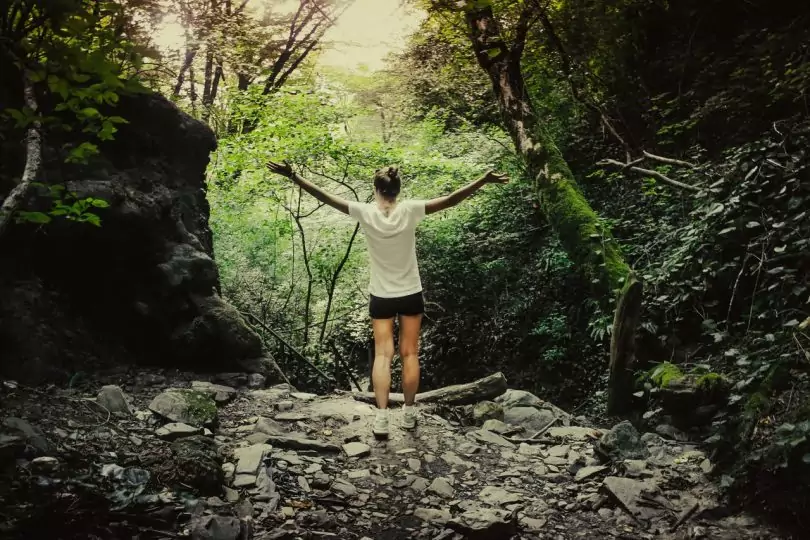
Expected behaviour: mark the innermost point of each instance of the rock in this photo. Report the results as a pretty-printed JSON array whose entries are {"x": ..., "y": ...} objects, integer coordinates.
[
  {"x": 250, "y": 458},
  {"x": 290, "y": 417},
  {"x": 560, "y": 450},
  {"x": 233, "y": 380},
  {"x": 414, "y": 464},
  {"x": 418, "y": 484},
  {"x": 283, "y": 406},
  {"x": 303, "y": 396},
  {"x": 628, "y": 493},
  {"x": 231, "y": 495},
  {"x": 635, "y": 468},
  {"x": 497, "y": 496},
  {"x": 586, "y": 472},
  {"x": 296, "y": 443},
  {"x": 485, "y": 524},
  {"x": 533, "y": 524},
  {"x": 443, "y": 488},
  {"x": 359, "y": 473},
  {"x": 487, "y": 410},
  {"x": 497, "y": 426},
  {"x": 112, "y": 398},
  {"x": 518, "y": 398},
  {"x": 318, "y": 519},
  {"x": 220, "y": 393},
  {"x": 433, "y": 516},
  {"x": 215, "y": 528},
  {"x": 244, "y": 481},
  {"x": 176, "y": 430},
  {"x": 321, "y": 480},
  {"x": 256, "y": 380},
  {"x": 671, "y": 432},
  {"x": 356, "y": 449},
  {"x": 196, "y": 463},
  {"x": 190, "y": 407},
  {"x": 528, "y": 417},
  {"x": 45, "y": 464},
  {"x": 526, "y": 449},
  {"x": 344, "y": 488},
  {"x": 574, "y": 433},
  {"x": 28, "y": 433},
  {"x": 268, "y": 426},
  {"x": 622, "y": 442},
  {"x": 489, "y": 437}
]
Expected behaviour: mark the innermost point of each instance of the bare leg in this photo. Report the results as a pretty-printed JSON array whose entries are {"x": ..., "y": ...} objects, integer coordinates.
[
  {"x": 383, "y": 354},
  {"x": 409, "y": 327}
]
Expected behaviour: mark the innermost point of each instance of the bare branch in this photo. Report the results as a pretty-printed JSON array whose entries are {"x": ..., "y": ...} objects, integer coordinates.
[
  {"x": 655, "y": 174},
  {"x": 671, "y": 161}
]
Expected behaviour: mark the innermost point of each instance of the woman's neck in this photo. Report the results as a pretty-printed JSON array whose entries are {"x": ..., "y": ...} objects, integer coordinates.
[{"x": 385, "y": 205}]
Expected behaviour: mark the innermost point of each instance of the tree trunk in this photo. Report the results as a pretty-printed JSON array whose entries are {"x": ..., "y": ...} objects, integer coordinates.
[
  {"x": 586, "y": 240},
  {"x": 191, "y": 52},
  {"x": 33, "y": 159}
]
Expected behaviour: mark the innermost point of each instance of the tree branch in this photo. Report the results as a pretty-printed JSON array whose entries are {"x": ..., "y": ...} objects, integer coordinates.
[
  {"x": 671, "y": 161},
  {"x": 655, "y": 174}
]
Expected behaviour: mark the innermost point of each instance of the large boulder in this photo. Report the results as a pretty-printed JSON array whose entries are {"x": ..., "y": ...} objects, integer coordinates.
[
  {"x": 186, "y": 406},
  {"x": 144, "y": 284},
  {"x": 196, "y": 463},
  {"x": 622, "y": 442}
]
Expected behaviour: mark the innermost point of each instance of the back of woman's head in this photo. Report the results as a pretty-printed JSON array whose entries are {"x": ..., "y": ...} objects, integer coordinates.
[{"x": 387, "y": 182}]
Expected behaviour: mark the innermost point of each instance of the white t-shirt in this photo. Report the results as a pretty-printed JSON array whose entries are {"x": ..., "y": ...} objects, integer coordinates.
[{"x": 391, "y": 244}]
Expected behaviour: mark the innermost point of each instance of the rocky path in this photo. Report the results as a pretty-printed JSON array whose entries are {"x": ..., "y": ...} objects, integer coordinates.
[{"x": 159, "y": 456}]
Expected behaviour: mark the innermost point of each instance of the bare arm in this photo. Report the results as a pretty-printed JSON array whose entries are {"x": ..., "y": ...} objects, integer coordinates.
[
  {"x": 335, "y": 202},
  {"x": 448, "y": 201}
]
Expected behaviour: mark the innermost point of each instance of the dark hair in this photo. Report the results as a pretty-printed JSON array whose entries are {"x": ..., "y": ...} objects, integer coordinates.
[{"x": 386, "y": 181}]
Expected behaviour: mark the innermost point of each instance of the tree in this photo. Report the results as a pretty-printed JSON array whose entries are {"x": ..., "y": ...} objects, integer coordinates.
[{"x": 586, "y": 238}]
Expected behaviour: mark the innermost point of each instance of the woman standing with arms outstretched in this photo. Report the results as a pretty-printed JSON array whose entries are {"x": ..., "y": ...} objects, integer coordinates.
[{"x": 395, "y": 288}]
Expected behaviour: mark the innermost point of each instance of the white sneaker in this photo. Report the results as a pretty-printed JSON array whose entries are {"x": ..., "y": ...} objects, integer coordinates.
[
  {"x": 408, "y": 417},
  {"x": 380, "y": 428}
]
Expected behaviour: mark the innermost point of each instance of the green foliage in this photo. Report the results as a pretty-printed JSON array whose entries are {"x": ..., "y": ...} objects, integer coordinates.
[{"x": 665, "y": 373}]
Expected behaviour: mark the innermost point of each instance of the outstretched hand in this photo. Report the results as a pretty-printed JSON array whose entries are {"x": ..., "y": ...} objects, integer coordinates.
[
  {"x": 283, "y": 168},
  {"x": 491, "y": 177}
]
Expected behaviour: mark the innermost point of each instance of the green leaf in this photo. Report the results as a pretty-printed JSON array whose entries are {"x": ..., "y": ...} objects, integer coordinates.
[
  {"x": 100, "y": 203},
  {"x": 34, "y": 217}
]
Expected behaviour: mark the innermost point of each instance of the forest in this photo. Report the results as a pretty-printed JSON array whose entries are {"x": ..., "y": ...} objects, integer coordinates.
[{"x": 648, "y": 261}]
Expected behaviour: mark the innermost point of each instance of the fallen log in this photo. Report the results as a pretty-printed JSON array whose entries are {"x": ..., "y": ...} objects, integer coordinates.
[{"x": 489, "y": 387}]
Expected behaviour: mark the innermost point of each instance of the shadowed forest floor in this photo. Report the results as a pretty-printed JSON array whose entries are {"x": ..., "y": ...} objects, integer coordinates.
[{"x": 278, "y": 464}]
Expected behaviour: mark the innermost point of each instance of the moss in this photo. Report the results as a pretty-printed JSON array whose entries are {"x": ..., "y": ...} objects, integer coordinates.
[
  {"x": 584, "y": 236},
  {"x": 711, "y": 382},
  {"x": 665, "y": 373},
  {"x": 200, "y": 406}
]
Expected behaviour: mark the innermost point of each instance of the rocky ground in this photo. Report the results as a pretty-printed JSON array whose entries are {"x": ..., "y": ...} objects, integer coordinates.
[{"x": 158, "y": 455}]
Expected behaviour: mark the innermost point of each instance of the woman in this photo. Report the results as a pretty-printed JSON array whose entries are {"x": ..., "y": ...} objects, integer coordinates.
[{"x": 395, "y": 288}]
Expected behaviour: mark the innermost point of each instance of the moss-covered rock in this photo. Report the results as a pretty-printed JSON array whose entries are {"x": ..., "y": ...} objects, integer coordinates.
[
  {"x": 187, "y": 406},
  {"x": 664, "y": 373}
]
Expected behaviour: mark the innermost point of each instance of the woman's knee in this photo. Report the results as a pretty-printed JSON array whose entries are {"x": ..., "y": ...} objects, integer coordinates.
[{"x": 408, "y": 350}]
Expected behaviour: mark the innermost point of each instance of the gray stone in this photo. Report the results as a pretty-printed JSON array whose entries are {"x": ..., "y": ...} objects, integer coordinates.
[
  {"x": 244, "y": 480},
  {"x": 489, "y": 437},
  {"x": 256, "y": 380},
  {"x": 519, "y": 398},
  {"x": 30, "y": 434},
  {"x": 628, "y": 493},
  {"x": 671, "y": 432},
  {"x": 185, "y": 406},
  {"x": 344, "y": 488},
  {"x": 485, "y": 523},
  {"x": 112, "y": 398},
  {"x": 283, "y": 406},
  {"x": 526, "y": 449},
  {"x": 220, "y": 393},
  {"x": 414, "y": 464},
  {"x": 622, "y": 442},
  {"x": 497, "y": 496},
  {"x": 356, "y": 449},
  {"x": 533, "y": 524},
  {"x": 528, "y": 417},
  {"x": 433, "y": 516},
  {"x": 561, "y": 450},
  {"x": 303, "y": 396},
  {"x": 497, "y": 426},
  {"x": 231, "y": 495},
  {"x": 250, "y": 458},
  {"x": 45, "y": 464},
  {"x": 443, "y": 488},
  {"x": 290, "y": 417},
  {"x": 574, "y": 433},
  {"x": 587, "y": 472},
  {"x": 215, "y": 528},
  {"x": 487, "y": 410},
  {"x": 303, "y": 484},
  {"x": 268, "y": 426},
  {"x": 297, "y": 443},
  {"x": 176, "y": 430}
]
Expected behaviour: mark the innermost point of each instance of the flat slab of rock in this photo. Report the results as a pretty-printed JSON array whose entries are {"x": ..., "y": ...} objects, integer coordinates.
[
  {"x": 185, "y": 406},
  {"x": 433, "y": 516},
  {"x": 249, "y": 459},
  {"x": 296, "y": 443},
  {"x": 443, "y": 488},
  {"x": 484, "y": 436},
  {"x": 219, "y": 392},
  {"x": 356, "y": 449},
  {"x": 27, "y": 432},
  {"x": 574, "y": 433},
  {"x": 290, "y": 417},
  {"x": 628, "y": 492},
  {"x": 586, "y": 472},
  {"x": 497, "y": 496},
  {"x": 485, "y": 523},
  {"x": 175, "y": 430},
  {"x": 344, "y": 488}
]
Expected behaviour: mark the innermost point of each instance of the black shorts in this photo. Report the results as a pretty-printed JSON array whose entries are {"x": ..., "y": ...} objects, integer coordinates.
[{"x": 388, "y": 308}]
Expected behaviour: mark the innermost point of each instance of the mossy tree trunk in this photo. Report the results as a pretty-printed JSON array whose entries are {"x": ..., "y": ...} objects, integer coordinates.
[{"x": 586, "y": 239}]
